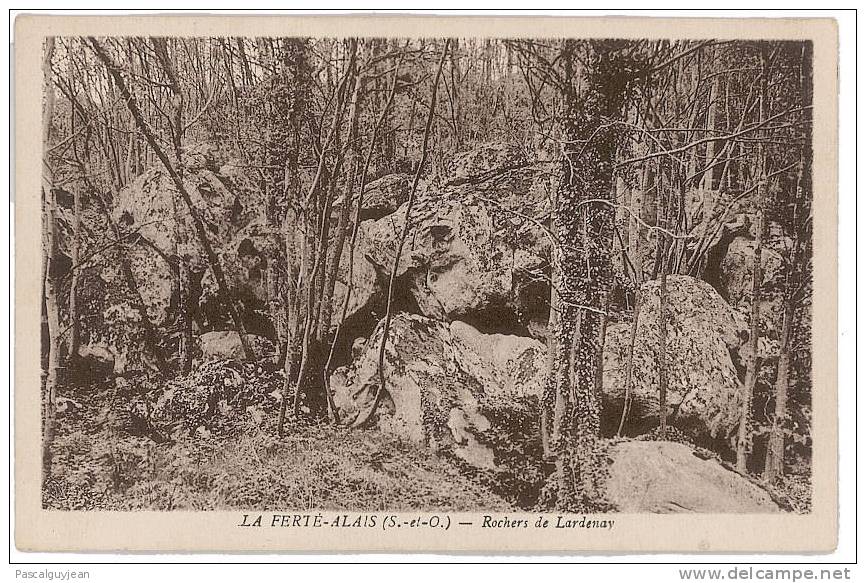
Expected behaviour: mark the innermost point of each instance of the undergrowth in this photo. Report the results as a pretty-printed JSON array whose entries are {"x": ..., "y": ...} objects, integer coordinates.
[{"x": 101, "y": 465}]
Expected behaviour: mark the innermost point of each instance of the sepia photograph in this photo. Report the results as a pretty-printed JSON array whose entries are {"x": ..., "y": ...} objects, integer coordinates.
[{"x": 505, "y": 275}]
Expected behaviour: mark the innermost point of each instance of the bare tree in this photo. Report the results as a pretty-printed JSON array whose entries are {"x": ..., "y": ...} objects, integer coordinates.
[
  {"x": 744, "y": 432},
  {"x": 49, "y": 236}
]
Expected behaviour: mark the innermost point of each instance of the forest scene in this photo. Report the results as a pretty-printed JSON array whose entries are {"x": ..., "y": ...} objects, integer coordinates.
[{"x": 429, "y": 274}]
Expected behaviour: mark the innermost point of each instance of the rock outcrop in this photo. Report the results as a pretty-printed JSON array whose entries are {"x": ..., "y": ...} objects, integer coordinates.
[
  {"x": 385, "y": 195},
  {"x": 447, "y": 383},
  {"x": 736, "y": 269},
  {"x": 160, "y": 230},
  {"x": 704, "y": 391},
  {"x": 226, "y": 345},
  {"x": 442, "y": 384},
  {"x": 476, "y": 250},
  {"x": 665, "y": 477}
]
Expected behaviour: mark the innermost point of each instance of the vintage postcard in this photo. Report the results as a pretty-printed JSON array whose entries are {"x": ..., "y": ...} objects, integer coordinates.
[{"x": 425, "y": 284}]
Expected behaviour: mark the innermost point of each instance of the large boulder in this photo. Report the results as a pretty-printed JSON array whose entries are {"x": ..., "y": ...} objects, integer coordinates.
[
  {"x": 704, "y": 392},
  {"x": 735, "y": 275},
  {"x": 665, "y": 477},
  {"x": 160, "y": 228},
  {"x": 385, "y": 195},
  {"x": 444, "y": 385},
  {"x": 476, "y": 248},
  {"x": 473, "y": 250},
  {"x": 448, "y": 383}
]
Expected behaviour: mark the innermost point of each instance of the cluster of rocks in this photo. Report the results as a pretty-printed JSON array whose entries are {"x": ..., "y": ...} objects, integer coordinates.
[{"x": 467, "y": 341}]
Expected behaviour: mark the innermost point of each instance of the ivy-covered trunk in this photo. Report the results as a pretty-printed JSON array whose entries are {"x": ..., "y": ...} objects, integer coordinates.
[{"x": 593, "y": 95}]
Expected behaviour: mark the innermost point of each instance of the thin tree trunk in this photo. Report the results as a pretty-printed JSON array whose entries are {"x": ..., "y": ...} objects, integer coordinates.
[
  {"x": 548, "y": 401},
  {"x": 330, "y": 282},
  {"x": 707, "y": 183},
  {"x": 663, "y": 352},
  {"x": 75, "y": 251},
  {"x": 744, "y": 432},
  {"x": 50, "y": 284},
  {"x": 407, "y": 224},
  {"x": 602, "y": 334},
  {"x": 774, "y": 463},
  {"x": 629, "y": 370},
  {"x": 186, "y": 310},
  {"x": 245, "y": 64}
]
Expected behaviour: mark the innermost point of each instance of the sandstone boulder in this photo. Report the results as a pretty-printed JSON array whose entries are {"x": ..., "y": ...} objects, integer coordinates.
[
  {"x": 476, "y": 249},
  {"x": 473, "y": 250},
  {"x": 665, "y": 477},
  {"x": 385, "y": 195},
  {"x": 444, "y": 383},
  {"x": 151, "y": 209},
  {"x": 704, "y": 391}
]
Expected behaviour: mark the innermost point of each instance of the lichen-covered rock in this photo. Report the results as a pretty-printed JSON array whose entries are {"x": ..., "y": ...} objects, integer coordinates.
[
  {"x": 736, "y": 269},
  {"x": 735, "y": 275},
  {"x": 385, "y": 195},
  {"x": 151, "y": 208},
  {"x": 476, "y": 247},
  {"x": 368, "y": 280},
  {"x": 508, "y": 367},
  {"x": 473, "y": 250},
  {"x": 664, "y": 477},
  {"x": 482, "y": 162},
  {"x": 440, "y": 382},
  {"x": 704, "y": 392},
  {"x": 226, "y": 345}
]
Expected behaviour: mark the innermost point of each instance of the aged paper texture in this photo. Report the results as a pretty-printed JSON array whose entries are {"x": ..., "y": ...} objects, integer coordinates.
[{"x": 420, "y": 283}]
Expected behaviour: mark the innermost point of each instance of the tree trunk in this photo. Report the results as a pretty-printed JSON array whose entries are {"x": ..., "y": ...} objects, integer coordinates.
[
  {"x": 49, "y": 238},
  {"x": 184, "y": 316},
  {"x": 774, "y": 463},
  {"x": 332, "y": 272},
  {"x": 75, "y": 251},
  {"x": 629, "y": 370},
  {"x": 744, "y": 432},
  {"x": 663, "y": 352},
  {"x": 707, "y": 183},
  {"x": 584, "y": 230}
]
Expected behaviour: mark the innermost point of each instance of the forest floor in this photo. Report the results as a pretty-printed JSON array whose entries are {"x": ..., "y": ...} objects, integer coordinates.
[
  {"x": 314, "y": 466},
  {"x": 103, "y": 461}
]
